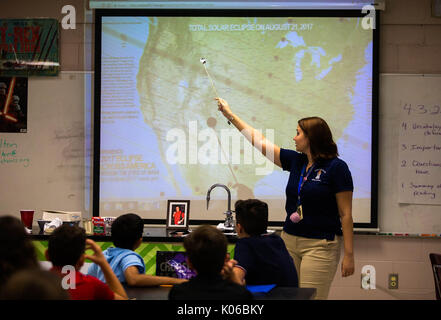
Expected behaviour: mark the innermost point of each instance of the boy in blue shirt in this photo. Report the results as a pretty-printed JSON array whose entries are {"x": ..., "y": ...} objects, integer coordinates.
[
  {"x": 129, "y": 266},
  {"x": 261, "y": 258}
]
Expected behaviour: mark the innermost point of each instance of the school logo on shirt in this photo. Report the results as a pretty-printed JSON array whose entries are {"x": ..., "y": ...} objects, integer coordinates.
[{"x": 318, "y": 174}]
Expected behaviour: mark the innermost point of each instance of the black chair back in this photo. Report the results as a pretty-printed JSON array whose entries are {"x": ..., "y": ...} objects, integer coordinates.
[{"x": 435, "y": 259}]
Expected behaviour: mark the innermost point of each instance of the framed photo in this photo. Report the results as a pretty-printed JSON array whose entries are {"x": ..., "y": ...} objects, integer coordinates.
[{"x": 178, "y": 212}]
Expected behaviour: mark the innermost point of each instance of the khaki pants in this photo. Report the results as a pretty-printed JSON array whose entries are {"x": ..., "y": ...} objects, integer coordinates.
[{"x": 316, "y": 261}]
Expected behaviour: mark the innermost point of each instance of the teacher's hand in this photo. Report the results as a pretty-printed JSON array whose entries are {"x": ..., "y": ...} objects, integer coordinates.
[
  {"x": 347, "y": 266},
  {"x": 224, "y": 107}
]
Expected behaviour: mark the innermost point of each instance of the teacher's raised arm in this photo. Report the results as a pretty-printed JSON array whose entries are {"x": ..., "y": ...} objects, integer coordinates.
[{"x": 256, "y": 138}]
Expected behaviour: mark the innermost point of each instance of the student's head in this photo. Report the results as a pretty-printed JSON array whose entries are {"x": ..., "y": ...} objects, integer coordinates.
[
  {"x": 16, "y": 248},
  {"x": 206, "y": 249},
  {"x": 251, "y": 217},
  {"x": 66, "y": 246},
  {"x": 127, "y": 231},
  {"x": 319, "y": 136},
  {"x": 34, "y": 284}
]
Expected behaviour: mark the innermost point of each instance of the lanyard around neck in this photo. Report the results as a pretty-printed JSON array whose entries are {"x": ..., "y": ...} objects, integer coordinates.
[{"x": 302, "y": 180}]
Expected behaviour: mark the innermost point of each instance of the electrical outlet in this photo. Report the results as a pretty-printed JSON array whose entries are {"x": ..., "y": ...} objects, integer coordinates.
[{"x": 393, "y": 281}]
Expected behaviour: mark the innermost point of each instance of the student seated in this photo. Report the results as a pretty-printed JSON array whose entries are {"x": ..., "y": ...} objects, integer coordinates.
[
  {"x": 66, "y": 247},
  {"x": 261, "y": 258},
  {"x": 33, "y": 284},
  {"x": 17, "y": 251},
  {"x": 129, "y": 266},
  {"x": 206, "y": 249}
]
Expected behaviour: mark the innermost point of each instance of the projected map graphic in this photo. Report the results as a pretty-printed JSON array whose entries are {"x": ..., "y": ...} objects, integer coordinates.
[{"x": 162, "y": 136}]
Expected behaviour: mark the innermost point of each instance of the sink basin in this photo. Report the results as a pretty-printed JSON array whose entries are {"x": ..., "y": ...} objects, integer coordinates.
[{"x": 229, "y": 231}]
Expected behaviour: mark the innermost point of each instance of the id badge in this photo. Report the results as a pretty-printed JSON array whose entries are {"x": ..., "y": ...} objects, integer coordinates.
[{"x": 295, "y": 217}]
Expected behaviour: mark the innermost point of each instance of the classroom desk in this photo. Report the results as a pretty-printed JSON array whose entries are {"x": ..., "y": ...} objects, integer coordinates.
[
  {"x": 159, "y": 238},
  {"x": 278, "y": 293},
  {"x": 153, "y": 239}
]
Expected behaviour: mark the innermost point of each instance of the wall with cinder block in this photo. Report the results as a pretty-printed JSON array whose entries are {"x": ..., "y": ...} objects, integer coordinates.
[{"x": 410, "y": 42}]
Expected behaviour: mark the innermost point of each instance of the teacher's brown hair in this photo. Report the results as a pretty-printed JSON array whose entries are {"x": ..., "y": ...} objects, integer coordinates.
[{"x": 321, "y": 143}]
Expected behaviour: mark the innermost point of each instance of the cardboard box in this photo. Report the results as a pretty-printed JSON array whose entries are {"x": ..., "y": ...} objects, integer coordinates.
[{"x": 68, "y": 216}]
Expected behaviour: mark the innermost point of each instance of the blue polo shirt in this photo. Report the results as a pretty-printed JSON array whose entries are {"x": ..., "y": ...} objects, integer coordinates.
[
  {"x": 119, "y": 260},
  {"x": 265, "y": 260},
  {"x": 321, "y": 219}
]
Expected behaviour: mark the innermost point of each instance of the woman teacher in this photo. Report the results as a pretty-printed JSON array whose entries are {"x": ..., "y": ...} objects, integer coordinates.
[{"x": 318, "y": 200}]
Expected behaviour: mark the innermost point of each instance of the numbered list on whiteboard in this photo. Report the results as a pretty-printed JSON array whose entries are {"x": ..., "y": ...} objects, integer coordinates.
[{"x": 420, "y": 153}]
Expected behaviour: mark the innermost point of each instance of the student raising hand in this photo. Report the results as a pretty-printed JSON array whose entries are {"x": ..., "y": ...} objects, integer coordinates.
[
  {"x": 111, "y": 279},
  {"x": 97, "y": 256}
]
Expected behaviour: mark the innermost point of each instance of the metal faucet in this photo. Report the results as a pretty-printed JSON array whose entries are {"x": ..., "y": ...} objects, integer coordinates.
[{"x": 229, "y": 214}]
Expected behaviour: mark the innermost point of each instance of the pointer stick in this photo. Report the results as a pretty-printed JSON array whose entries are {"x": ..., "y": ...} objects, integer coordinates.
[
  {"x": 203, "y": 61},
  {"x": 212, "y": 83}
]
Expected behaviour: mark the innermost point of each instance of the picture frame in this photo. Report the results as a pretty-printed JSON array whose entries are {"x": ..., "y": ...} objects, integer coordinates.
[{"x": 178, "y": 212}]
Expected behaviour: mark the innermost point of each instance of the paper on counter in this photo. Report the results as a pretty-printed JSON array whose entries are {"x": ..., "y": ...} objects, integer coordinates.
[{"x": 51, "y": 226}]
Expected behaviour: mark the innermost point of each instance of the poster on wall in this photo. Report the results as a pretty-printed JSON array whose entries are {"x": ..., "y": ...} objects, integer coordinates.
[
  {"x": 13, "y": 104},
  {"x": 29, "y": 47}
]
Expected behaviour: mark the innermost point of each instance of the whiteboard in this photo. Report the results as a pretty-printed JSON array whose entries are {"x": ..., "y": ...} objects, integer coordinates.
[
  {"x": 395, "y": 92},
  {"x": 51, "y": 171}
]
